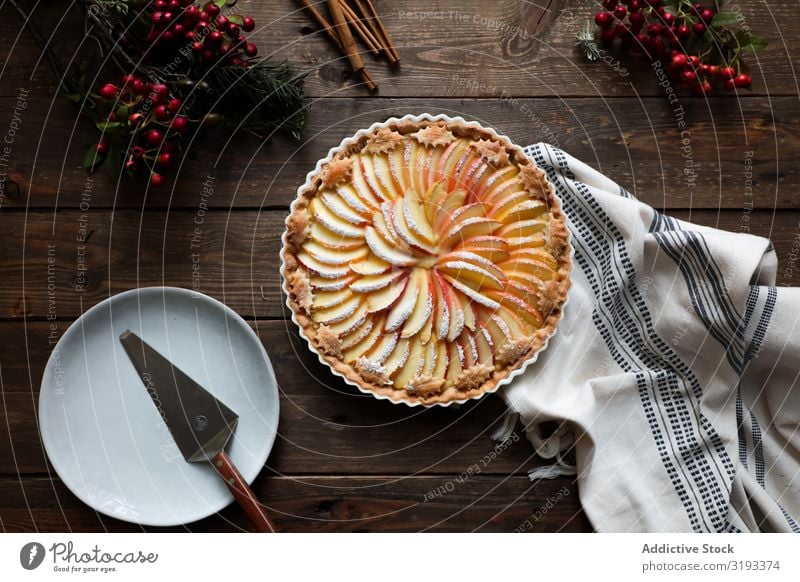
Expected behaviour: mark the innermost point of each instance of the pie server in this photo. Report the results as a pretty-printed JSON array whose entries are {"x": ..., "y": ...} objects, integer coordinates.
[{"x": 200, "y": 424}]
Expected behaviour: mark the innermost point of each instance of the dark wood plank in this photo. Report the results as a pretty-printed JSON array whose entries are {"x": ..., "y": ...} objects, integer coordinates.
[
  {"x": 321, "y": 504},
  {"x": 237, "y": 260},
  {"x": 504, "y": 43},
  {"x": 640, "y": 144}
]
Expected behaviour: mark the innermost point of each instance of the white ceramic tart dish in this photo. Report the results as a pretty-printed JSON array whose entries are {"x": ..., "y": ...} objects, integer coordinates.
[{"x": 426, "y": 260}]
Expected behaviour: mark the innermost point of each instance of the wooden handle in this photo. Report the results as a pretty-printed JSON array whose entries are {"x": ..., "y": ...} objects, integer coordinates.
[{"x": 242, "y": 493}]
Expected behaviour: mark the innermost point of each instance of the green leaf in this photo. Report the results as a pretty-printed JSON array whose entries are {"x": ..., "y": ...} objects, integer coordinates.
[
  {"x": 220, "y": 3},
  {"x": 92, "y": 158},
  {"x": 74, "y": 97},
  {"x": 726, "y": 19},
  {"x": 236, "y": 19},
  {"x": 122, "y": 112},
  {"x": 753, "y": 43},
  {"x": 108, "y": 125},
  {"x": 113, "y": 162}
]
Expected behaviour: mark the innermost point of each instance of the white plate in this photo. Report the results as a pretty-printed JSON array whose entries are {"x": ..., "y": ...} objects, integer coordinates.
[{"x": 104, "y": 436}]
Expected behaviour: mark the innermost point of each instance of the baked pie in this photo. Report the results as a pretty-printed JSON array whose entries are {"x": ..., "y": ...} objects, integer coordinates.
[{"x": 426, "y": 259}]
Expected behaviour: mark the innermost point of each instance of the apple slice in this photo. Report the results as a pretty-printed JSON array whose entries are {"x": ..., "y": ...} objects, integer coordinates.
[
  {"x": 362, "y": 188},
  {"x": 386, "y": 252},
  {"x": 416, "y": 219},
  {"x": 383, "y": 173},
  {"x": 326, "y": 299},
  {"x": 402, "y": 310},
  {"x": 340, "y": 208},
  {"x": 434, "y": 198},
  {"x": 370, "y": 265},
  {"x": 528, "y": 313},
  {"x": 347, "y": 193},
  {"x": 471, "y": 274},
  {"x": 413, "y": 364},
  {"x": 431, "y": 352},
  {"x": 451, "y": 202},
  {"x": 360, "y": 348},
  {"x": 383, "y": 299},
  {"x": 423, "y": 309},
  {"x": 372, "y": 283},
  {"x": 386, "y": 229},
  {"x": 406, "y": 233},
  {"x": 442, "y": 360},
  {"x": 464, "y": 156},
  {"x": 524, "y": 242},
  {"x": 382, "y": 348},
  {"x": 319, "y": 283},
  {"x": 347, "y": 326},
  {"x": 441, "y": 309},
  {"x": 525, "y": 210},
  {"x": 371, "y": 180},
  {"x": 331, "y": 256},
  {"x": 465, "y": 212},
  {"x": 492, "y": 178},
  {"x": 333, "y": 222},
  {"x": 523, "y": 290},
  {"x": 429, "y": 173},
  {"x": 426, "y": 332},
  {"x": 501, "y": 207},
  {"x": 398, "y": 357},
  {"x": 469, "y": 349},
  {"x": 467, "y": 229},
  {"x": 323, "y": 269},
  {"x": 523, "y": 228},
  {"x": 485, "y": 346},
  {"x": 358, "y": 332},
  {"x": 537, "y": 255},
  {"x": 328, "y": 238},
  {"x": 338, "y": 312},
  {"x": 498, "y": 331},
  {"x": 521, "y": 268},
  {"x": 471, "y": 293},
  {"x": 500, "y": 190},
  {"x": 455, "y": 356}
]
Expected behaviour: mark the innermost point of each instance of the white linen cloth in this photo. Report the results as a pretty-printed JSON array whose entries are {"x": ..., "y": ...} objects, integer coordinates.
[{"x": 674, "y": 371}]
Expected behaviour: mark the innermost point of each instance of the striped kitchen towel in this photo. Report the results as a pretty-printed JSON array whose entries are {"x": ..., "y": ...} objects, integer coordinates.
[{"x": 674, "y": 371}]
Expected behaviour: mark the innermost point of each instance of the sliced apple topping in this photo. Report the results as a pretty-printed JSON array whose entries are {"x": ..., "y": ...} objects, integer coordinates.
[{"x": 430, "y": 266}]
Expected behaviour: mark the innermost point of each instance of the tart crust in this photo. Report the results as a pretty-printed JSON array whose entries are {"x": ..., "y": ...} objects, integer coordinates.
[{"x": 371, "y": 377}]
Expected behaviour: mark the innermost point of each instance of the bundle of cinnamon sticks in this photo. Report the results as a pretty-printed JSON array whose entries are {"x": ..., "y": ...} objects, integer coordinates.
[{"x": 363, "y": 20}]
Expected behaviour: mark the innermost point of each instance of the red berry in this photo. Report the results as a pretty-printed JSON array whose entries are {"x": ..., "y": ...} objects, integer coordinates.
[
  {"x": 164, "y": 160},
  {"x": 131, "y": 165},
  {"x": 621, "y": 31},
  {"x": 167, "y": 36},
  {"x": 610, "y": 4},
  {"x": 139, "y": 87},
  {"x": 177, "y": 29},
  {"x": 743, "y": 80},
  {"x": 707, "y": 88},
  {"x": 137, "y": 151},
  {"x": 168, "y": 16},
  {"x": 166, "y": 146},
  {"x": 221, "y": 22},
  {"x": 603, "y": 19},
  {"x": 160, "y": 90},
  {"x": 160, "y": 4},
  {"x": 161, "y": 112},
  {"x": 679, "y": 61},
  {"x": 202, "y": 25},
  {"x": 101, "y": 148},
  {"x": 654, "y": 29},
  {"x": 688, "y": 78},
  {"x": 156, "y": 179},
  {"x": 620, "y": 12},
  {"x": 211, "y": 8},
  {"x": 727, "y": 73},
  {"x": 634, "y": 6},
  {"x": 694, "y": 61},
  {"x": 215, "y": 37},
  {"x": 208, "y": 55},
  {"x": 135, "y": 119},
  {"x": 668, "y": 18},
  {"x": 707, "y": 16},
  {"x": 637, "y": 20},
  {"x": 204, "y": 16},
  {"x": 699, "y": 28},
  {"x": 191, "y": 13},
  {"x": 713, "y": 70},
  {"x": 108, "y": 91},
  {"x": 156, "y": 17},
  {"x": 190, "y": 35},
  {"x": 729, "y": 85},
  {"x": 179, "y": 124},
  {"x": 248, "y": 24},
  {"x": 154, "y": 137},
  {"x": 234, "y": 31},
  {"x": 236, "y": 61},
  {"x": 659, "y": 48},
  {"x": 197, "y": 47},
  {"x": 174, "y": 4},
  {"x": 608, "y": 35},
  {"x": 683, "y": 31},
  {"x": 174, "y": 105},
  {"x": 251, "y": 50}
]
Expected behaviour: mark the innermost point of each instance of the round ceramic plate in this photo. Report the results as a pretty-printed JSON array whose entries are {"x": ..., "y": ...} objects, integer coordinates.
[{"x": 104, "y": 436}]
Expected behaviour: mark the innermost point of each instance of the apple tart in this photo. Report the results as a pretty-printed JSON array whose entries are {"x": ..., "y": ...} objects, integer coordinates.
[{"x": 426, "y": 259}]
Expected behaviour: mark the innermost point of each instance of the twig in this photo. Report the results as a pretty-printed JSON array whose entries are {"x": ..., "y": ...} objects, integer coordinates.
[{"x": 346, "y": 38}]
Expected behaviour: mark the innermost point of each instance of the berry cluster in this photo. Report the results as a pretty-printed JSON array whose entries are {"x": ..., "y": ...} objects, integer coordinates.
[
  {"x": 689, "y": 38},
  {"x": 149, "y": 120},
  {"x": 213, "y": 36}
]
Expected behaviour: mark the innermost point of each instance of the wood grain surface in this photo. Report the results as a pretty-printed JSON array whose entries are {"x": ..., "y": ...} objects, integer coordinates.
[{"x": 344, "y": 461}]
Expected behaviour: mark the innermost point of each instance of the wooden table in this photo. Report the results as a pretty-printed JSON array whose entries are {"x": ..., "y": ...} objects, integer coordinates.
[{"x": 344, "y": 461}]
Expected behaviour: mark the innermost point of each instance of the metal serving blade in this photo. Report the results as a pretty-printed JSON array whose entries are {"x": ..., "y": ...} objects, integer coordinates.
[{"x": 200, "y": 424}]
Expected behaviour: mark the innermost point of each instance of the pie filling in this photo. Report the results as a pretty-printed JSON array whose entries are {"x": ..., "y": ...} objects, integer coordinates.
[{"x": 427, "y": 263}]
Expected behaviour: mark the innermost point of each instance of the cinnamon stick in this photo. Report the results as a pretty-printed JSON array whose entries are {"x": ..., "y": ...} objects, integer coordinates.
[
  {"x": 369, "y": 22},
  {"x": 390, "y": 47},
  {"x": 348, "y": 44},
  {"x": 326, "y": 26},
  {"x": 363, "y": 32}
]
